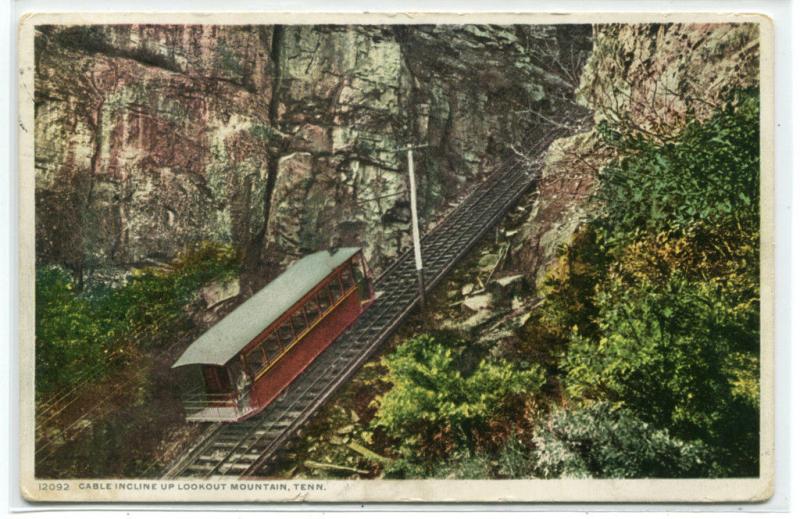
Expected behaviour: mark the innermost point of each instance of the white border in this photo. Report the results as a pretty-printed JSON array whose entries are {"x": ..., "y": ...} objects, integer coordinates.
[{"x": 780, "y": 13}]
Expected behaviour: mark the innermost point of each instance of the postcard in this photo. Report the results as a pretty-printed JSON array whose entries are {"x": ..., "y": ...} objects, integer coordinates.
[{"x": 402, "y": 258}]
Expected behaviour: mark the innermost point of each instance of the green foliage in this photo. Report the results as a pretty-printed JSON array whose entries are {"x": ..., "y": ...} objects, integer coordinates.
[
  {"x": 83, "y": 335},
  {"x": 709, "y": 172},
  {"x": 654, "y": 306},
  {"x": 597, "y": 441},
  {"x": 665, "y": 352},
  {"x": 460, "y": 464},
  {"x": 600, "y": 441},
  {"x": 436, "y": 405},
  {"x": 567, "y": 293},
  {"x": 513, "y": 459},
  {"x": 63, "y": 324}
]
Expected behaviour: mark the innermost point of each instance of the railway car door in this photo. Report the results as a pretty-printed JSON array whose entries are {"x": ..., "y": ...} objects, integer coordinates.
[{"x": 217, "y": 381}]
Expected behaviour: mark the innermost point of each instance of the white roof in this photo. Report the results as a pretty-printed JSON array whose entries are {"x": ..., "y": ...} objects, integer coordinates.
[{"x": 228, "y": 337}]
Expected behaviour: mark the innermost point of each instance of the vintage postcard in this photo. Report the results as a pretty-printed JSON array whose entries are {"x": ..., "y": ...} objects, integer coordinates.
[{"x": 396, "y": 258}]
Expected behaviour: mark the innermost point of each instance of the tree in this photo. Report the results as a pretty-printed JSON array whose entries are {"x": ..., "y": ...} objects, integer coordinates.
[
  {"x": 82, "y": 335},
  {"x": 682, "y": 356}
]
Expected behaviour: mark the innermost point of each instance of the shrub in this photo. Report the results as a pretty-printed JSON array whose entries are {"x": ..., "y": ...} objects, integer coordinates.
[
  {"x": 710, "y": 171},
  {"x": 667, "y": 353},
  {"x": 433, "y": 407},
  {"x": 83, "y": 335},
  {"x": 601, "y": 441}
]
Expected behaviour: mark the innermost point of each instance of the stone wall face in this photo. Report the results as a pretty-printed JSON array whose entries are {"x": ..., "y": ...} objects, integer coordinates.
[
  {"x": 645, "y": 78},
  {"x": 280, "y": 140},
  {"x": 145, "y": 140}
]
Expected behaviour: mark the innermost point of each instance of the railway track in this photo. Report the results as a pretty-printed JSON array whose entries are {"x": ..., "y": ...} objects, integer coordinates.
[{"x": 239, "y": 450}]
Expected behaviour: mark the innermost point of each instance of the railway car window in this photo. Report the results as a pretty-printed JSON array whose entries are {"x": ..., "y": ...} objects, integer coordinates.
[
  {"x": 324, "y": 299},
  {"x": 285, "y": 333},
  {"x": 312, "y": 310},
  {"x": 299, "y": 321},
  {"x": 272, "y": 347},
  {"x": 255, "y": 360},
  {"x": 336, "y": 289},
  {"x": 347, "y": 278}
]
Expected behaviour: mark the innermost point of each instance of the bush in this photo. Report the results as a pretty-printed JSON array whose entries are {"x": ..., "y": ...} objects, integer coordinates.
[
  {"x": 568, "y": 302},
  {"x": 434, "y": 408},
  {"x": 710, "y": 171},
  {"x": 668, "y": 353},
  {"x": 601, "y": 441},
  {"x": 69, "y": 341},
  {"x": 81, "y": 336},
  {"x": 460, "y": 464}
]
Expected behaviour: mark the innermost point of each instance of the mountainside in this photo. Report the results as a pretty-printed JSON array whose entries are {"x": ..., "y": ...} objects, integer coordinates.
[
  {"x": 281, "y": 140},
  {"x": 609, "y": 325},
  {"x": 629, "y": 277},
  {"x": 647, "y": 80}
]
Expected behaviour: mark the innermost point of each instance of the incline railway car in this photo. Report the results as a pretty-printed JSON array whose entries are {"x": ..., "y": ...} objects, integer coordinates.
[{"x": 253, "y": 353}]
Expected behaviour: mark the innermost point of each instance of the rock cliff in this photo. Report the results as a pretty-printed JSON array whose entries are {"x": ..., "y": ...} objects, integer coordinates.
[
  {"x": 645, "y": 79},
  {"x": 279, "y": 139}
]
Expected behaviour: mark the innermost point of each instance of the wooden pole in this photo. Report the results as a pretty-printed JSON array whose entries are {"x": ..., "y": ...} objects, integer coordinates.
[{"x": 415, "y": 227}]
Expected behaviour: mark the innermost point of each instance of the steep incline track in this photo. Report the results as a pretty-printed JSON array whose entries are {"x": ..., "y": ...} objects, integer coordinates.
[{"x": 240, "y": 449}]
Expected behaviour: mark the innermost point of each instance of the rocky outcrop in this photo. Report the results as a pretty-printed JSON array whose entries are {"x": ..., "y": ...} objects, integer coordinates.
[
  {"x": 147, "y": 139},
  {"x": 646, "y": 79},
  {"x": 281, "y": 140}
]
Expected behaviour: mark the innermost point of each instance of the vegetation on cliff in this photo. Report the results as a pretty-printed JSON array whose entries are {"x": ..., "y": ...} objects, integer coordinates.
[
  {"x": 676, "y": 306},
  {"x": 440, "y": 402}
]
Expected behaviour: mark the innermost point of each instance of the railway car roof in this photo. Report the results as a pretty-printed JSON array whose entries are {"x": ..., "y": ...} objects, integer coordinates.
[{"x": 224, "y": 340}]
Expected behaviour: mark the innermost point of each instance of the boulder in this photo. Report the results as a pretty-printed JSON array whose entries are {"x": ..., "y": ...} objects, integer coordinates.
[
  {"x": 478, "y": 302},
  {"x": 506, "y": 288},
  {"x": 509, "y": 280},
  {"x": 482, "y": 317},
  {"x": 487, "y": 262},
  {"x": 219, "y": 291}
]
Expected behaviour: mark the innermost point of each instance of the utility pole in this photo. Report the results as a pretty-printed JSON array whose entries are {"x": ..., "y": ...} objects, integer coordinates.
[{"x": 412, "y": 184}]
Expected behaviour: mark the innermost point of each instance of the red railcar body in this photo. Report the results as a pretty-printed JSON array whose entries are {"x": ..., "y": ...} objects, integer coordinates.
[
  {"x": 247, "y": 364},
  {"x": 314, "y": 341}
]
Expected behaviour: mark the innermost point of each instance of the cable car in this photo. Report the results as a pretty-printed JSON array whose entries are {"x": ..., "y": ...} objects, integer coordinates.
[{"x": 253, "y": 353}]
